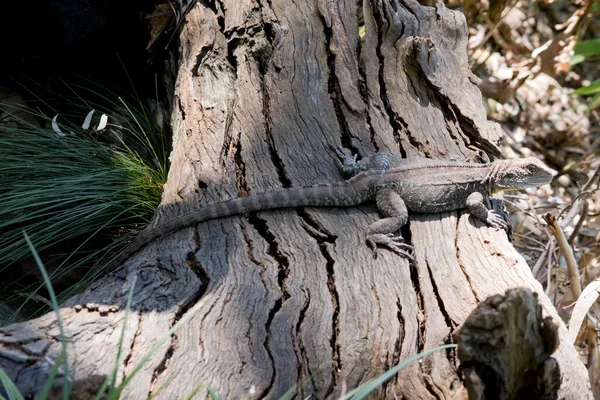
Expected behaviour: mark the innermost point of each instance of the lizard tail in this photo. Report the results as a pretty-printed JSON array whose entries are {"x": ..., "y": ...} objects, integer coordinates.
[{"x": 336, "y": 195}]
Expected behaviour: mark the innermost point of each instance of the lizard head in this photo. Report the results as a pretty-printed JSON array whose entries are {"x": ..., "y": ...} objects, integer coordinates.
[{"x": 520, "y": 174}]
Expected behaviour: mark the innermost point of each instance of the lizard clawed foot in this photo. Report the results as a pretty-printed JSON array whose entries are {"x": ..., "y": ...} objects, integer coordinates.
[
  {"x": 394, "y": 243},
  {"x": 342, "y": 152},
  {"x": 496, "y": 221},
  {"x": 346, "y": 162}
]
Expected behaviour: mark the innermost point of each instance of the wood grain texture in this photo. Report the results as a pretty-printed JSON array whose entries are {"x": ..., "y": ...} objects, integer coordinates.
[{"x": 294, "y": 297}]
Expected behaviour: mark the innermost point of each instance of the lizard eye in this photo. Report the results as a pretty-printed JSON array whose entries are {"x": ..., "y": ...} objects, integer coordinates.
[{"x": 531, "y": 168}]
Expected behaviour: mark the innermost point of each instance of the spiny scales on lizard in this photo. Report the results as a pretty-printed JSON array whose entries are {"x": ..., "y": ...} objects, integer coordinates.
[{"x": 416, "y": 185}]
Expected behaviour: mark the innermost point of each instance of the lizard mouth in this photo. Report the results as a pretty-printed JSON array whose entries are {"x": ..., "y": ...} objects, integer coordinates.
[
  {"x": 538, "y": 181},
  {"x": 526, "y": 184}
]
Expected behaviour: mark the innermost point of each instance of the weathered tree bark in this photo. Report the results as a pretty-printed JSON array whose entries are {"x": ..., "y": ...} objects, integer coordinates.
[{"x": 294, "y": 297}]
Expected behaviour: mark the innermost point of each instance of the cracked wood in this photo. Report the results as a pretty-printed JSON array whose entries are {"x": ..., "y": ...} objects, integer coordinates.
[{"x": 293, "y": 297}]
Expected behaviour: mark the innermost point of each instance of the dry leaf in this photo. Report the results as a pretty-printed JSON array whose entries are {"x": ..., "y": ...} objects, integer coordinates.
[
  {"x": 88, "y": 120},
  {"x": 55, "y": 127},
  {"x": 103, "y": 121}
]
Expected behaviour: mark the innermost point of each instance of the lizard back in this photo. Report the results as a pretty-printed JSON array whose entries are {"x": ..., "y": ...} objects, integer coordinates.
[{"x": 431, "y": 186}]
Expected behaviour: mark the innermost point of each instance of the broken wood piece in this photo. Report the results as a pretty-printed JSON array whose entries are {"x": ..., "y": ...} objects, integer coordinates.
[{"x": 505, "y": 349}]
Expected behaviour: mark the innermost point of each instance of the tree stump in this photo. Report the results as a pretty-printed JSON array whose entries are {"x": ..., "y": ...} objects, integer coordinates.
[
  {"x": 504, "y": 348},
  {"x": 294, "y": 297}
]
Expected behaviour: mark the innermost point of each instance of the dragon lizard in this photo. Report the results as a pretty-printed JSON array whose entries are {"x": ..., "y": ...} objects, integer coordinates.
[{"x": 415, "y": 185}]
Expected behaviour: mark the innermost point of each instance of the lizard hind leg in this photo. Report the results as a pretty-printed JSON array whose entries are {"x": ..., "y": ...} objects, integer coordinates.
[
  {"x": 381, "y": 232},
  {"x": 349, "y": 166}
]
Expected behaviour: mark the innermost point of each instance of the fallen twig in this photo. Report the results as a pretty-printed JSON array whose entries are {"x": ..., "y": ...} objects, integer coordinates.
[{"x": 567, "y": 251}]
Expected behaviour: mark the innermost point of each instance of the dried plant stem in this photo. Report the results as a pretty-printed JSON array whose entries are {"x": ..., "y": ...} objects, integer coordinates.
[
  {"x": 567, "y": 250},
  {"x": 545, "y": 254}
]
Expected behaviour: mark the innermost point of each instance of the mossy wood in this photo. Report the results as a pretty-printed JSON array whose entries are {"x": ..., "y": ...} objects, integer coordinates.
[{"x": 293, "y": 298}]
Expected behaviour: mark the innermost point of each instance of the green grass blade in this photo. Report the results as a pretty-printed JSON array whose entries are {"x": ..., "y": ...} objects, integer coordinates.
[
  {"x": 102, "y": 390},
  {"x": 43, "y": 394},
  {"x": 11, "y": 390},
  {"x": 208, "y": 388},
  {"x": 594, "y": 102},
  {"x": 592, "y": 88},
  {"x": 121, "y": 338},
  {"x": 155, "y": 348},
  {"x": 63, "y": 338},
  {"x": 365, "y": 389},
  {"x": 161, "y": 388},
  {"x": 290, "y": 394},
  {"x": 587, "y": 48}
]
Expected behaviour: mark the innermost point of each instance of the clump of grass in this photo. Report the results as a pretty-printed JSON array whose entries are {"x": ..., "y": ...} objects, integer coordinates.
[{"x": 77, "y": 192}]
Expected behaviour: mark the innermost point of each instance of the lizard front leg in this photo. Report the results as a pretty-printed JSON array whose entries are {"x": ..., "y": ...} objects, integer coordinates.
[
  {"x": 391, "y": 205},
  {"x": 477, "y": 208},
  {"x": 350, "y": 166}
]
